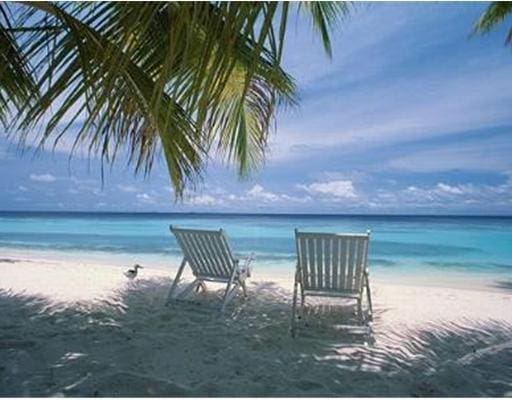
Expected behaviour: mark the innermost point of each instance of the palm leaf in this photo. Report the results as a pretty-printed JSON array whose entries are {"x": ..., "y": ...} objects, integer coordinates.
[
  {"x": 136, "y": 77},
  {"x": 494, "y": 15},
  {"x": 16, "y": 84}
]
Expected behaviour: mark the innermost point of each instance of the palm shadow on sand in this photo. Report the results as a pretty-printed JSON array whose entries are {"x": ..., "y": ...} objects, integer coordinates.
[{"x": 132, "y": 345}]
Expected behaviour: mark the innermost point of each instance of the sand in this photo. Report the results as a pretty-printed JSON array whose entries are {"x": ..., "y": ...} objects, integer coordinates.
[{"x": 70, "y": 328}]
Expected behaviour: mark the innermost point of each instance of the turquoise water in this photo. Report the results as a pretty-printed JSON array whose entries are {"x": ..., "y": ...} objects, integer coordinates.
[{"x": 399, "y": 244}]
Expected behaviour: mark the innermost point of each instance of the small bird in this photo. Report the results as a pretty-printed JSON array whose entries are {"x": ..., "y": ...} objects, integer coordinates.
[{"x": 132, "y": 272}]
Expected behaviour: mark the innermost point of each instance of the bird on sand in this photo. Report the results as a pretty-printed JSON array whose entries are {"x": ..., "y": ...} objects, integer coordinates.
[{"x": 132, "y": 272}]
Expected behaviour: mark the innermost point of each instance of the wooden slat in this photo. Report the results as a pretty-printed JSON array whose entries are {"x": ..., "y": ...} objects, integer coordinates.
[
  {"x": 217, "y": 262},
  {"x": 327, "y": 263},
  {"x": 359, "y": 264},
  {"x": 335, "y": 262},
  {"x": 191, "y": 252},
  {"x": 351, "y": 261},
  {"x": 226, "y": 258},
  {"x": 217, "y": 255},
  {"x": 307, "y": 272},
  {"x": 319, "y": 266},
  {"x": 195, "y": 258},
  {"x": 332, "y": 263},
  {"x": 210, "y": 255},
  {"x": 311, "y": 264},
  {"x": 185, "y": 247},
  {"x": 206, "y": 269},
  {"x": 207, "y": 251},
  {"x": 302, "y": 260},
  {"x": 223, "y": 261},
  {"x": 344, "y": 263},
  {"x": 225, "y": 250}
]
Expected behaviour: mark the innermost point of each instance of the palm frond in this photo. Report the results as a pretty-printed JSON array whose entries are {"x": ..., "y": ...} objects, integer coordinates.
[
  {"x": 16, "y": 84},
  {"x": 325, "y": 15},
  {"x": 494, "y": 15},
  {"x": 139, "y": 76}
]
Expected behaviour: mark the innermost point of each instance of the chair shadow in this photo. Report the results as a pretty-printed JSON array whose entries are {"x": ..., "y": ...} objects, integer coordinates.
[
  {"x": 132, "y": 345},
  {"x": 504, "y": 285}
]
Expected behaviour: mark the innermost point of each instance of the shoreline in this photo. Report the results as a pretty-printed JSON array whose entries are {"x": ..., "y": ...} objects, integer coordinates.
[
  {"x": 474, "y": 280},
  {"x": 65, "y": 279}
]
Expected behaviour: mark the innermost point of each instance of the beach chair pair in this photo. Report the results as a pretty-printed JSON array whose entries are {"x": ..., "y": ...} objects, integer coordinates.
[{"x": 328, "y": 265}]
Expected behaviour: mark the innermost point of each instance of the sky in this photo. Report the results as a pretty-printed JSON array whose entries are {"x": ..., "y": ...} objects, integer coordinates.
[{"x": 412, "y": 115}]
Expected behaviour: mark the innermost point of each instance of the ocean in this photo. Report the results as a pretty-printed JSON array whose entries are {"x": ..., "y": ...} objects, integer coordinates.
[{"x": 430, "y": 246}]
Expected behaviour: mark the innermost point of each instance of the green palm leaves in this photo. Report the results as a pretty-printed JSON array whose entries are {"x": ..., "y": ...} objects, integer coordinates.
[
  {"x": 494, "y": 15},
  {"x": 189, "y": 78}
]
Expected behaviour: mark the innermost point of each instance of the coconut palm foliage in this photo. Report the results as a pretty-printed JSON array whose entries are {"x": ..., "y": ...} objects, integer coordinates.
[
  {"x": 495, "y": 14},
  {"x": 187, "y": 77}
]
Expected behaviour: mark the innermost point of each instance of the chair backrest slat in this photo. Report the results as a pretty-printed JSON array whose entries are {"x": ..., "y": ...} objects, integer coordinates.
[
  {"x": 197, "y": 252},
  {"x": 215, "y": 258},
  {"x": 335, "y": 260},
  {"x": 351, "y": 260},
  {"x": 327, "y": 263},
  {"x": 361, "y": 263},
  {"x": 207, "y": 252},
  {"x": 202, "y": 240},
  {"x": 225, "y": 250},
  {"x": 217, "y": 243},
  {"x": 311, "y": 262},
  {"x": 331, "y": 262}
]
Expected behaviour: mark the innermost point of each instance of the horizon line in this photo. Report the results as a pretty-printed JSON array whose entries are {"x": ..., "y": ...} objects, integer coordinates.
[{"x": 255, "y": 214}]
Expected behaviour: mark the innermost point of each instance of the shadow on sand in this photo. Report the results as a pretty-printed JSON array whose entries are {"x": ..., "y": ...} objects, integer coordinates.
[
  {"x": 504, "y": 285},
  {"x": 131, "y": 345}
]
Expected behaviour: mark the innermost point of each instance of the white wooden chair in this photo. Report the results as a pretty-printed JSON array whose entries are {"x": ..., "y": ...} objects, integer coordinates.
[
  {"x": 208, "y": 254},
  {"x": 332, "y": 265}
]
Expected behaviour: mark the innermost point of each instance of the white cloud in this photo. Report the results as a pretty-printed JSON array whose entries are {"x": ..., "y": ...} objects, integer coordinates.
[
  {"x": 22, "y": 188},
  {"x": 339, "y": 189},
  {"x": 442, "y": 196},
  {"x": 145, "y": 198},
  {"x": 47, "y": 178},
  {"x": 258, "y": 192},
  {"x": 451, "y": 190},
  {"x": 202, "y": 200}
]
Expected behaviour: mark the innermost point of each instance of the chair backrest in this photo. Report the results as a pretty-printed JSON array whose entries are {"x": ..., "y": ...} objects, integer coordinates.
[
  {"x": 331, "y": 262},
  {"x": 206, "y": 251}
]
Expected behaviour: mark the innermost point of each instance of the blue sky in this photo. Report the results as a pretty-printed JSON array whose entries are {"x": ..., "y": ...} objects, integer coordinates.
[{"x": 411, "y": 115}]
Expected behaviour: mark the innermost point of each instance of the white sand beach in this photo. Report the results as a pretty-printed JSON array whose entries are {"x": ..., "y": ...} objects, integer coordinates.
[{"x": 70, "y": 328}]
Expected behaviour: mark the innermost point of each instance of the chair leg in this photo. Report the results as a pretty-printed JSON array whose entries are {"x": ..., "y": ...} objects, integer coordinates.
[
  {"x": 369, "y": 298},
  {"x": 229, "y": 294},
  {"x": 294, "y": 310},
  {"x": 175, "y": 282},
  {"x": 302, "y": 300},
  {"x": 244, "y": 288}
]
